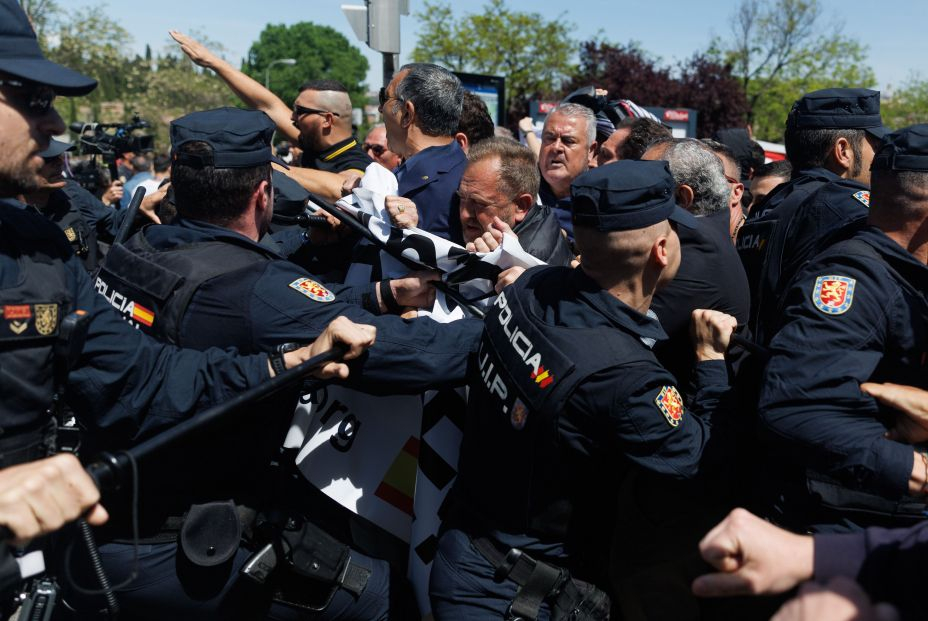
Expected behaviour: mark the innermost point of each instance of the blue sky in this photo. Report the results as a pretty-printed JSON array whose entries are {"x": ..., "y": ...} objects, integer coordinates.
[{"x": 670, "y": 29}]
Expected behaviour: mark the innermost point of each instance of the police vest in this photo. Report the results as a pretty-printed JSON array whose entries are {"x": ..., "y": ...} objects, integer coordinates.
[
  {"x": 31, "y": 311},
  {"x": 152, "y": 288},
  {"x": 515, "y": 473}
]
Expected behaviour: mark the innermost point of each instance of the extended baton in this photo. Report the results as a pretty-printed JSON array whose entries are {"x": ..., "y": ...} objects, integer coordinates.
[
  {"x": 109, "y": 470},
  {"x": 131, "y": 211}
]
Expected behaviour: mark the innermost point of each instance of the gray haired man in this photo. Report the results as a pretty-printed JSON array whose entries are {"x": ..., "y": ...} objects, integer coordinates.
[
  {"x": 568, "y": 147},
  {"x": 421, "y": 109}
]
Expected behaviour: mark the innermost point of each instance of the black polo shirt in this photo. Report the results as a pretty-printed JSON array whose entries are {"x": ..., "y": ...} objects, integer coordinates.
[{"x": 342, "y": 156}]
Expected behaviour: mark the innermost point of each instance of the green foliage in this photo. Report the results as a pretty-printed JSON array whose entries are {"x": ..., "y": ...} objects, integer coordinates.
[
  {"x": 43, "y": 14},
  {"x": 533, "y": 54},
  {"x": 170, "y": 87},
  {"x": 780, "y": 49},
  {"x": 321, "y": 52},
  {"x": 907, "y": 104},
  {"x": 90, "y": 42}
]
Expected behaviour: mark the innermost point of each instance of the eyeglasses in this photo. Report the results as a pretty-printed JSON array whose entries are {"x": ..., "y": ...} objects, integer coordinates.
[
  {"x": 376, "y": 148},
  {"x": 36, "y": 99},
  {"x": 384, "y": 98},
  {"x": 301, "y": 111}
]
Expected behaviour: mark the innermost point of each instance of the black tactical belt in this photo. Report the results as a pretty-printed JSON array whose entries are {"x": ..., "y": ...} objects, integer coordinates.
[{"x": 537, "y": 580}]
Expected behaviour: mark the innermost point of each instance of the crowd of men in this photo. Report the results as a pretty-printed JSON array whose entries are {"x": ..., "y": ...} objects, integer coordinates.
[{"x": 709, "y": 402}]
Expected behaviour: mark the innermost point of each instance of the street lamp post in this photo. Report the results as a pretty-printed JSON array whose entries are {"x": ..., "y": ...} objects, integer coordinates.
[{"x": 279, "y": 61}]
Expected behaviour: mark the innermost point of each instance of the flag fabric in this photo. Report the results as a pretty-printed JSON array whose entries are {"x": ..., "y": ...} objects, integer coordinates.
[{"x": 392, "y": 460}]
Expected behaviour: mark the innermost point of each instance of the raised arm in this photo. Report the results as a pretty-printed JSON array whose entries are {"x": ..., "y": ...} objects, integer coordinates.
[{"x": 249, "y": 91}]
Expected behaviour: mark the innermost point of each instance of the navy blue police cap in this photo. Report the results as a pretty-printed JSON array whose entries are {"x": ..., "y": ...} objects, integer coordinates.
[
  {"x": 906, "y": 149},
  {"x": 627, "y": 195},
  {"x": 56, "y": 148},
  {"x": 237, "y": 138},
  {"x": 838, "y": 108},
  {"x": 21, "y": 57},
  {"x": 289, "y": 196}
]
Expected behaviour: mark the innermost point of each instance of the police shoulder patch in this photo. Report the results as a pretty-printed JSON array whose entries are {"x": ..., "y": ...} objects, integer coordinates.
[
  {"x": 833, "y": 295},
  {"x": 518, "y": 415},
  {"x": 313, "y": 290},
  {"x": 863, "y": 196},
  {"x": 670, "y": 404}
]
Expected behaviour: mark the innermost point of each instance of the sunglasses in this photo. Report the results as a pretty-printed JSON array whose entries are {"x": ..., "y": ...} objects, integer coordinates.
[
  {"x": 35, "y": 99},
  {"x": 384, "y": 98},
  {"x": 301, "y": 111},
  {"x": 376, "y": 148}
]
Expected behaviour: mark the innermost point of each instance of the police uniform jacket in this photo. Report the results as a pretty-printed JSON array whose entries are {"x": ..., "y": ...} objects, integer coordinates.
[
  {"x": 123, "y": 382},
  {"x": 566, "y": 394},
  {"x": 430, "y": 179},
  {"x": 801, "y": 218},
  {"x": 857, "y": 313},
  {"x": 345, "y": 155},
  {"x": 270, "y": 301}
]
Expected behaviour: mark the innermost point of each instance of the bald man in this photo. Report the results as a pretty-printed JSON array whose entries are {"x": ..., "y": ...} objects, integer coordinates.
[{"x": 319, "y": 122}]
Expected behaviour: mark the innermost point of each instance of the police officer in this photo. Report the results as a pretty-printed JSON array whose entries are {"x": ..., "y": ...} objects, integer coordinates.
[
  {"x": 830, "y": 138},
  {"x": 205, "y": 281},
  {"x": 856, "y": 313},
  {"x": 123, "y": 382},
  {"x": 566, "y": 384},
  {"x": 84, "y": 219}
]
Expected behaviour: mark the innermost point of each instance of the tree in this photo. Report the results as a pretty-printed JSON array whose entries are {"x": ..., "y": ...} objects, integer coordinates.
[
  {"x": 533, "y": 54},
  {"x": 626, "y": 71},
  {"x": 780, "y": 49},
  {"x": 43, "y": 15},
  {"x": 170, "y": 86},
  {"x": 90, "y": 42},
  {"x": 709, "y": 87},
  {"x": 907, "y": 104},
  {"x": 701, "y": 83},
  {"x": 321, "y": 53}
]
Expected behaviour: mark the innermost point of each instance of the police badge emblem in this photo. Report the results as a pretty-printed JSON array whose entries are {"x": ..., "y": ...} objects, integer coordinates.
[
  {"x": 833, "y": 295},
  {"x": 46, "y": 318},
  {"x": 670, "y": 403},
  {"x": 311, "y": 289},
  {"x": 864, "y": 197},
  {"x": 519, "y": 415}
]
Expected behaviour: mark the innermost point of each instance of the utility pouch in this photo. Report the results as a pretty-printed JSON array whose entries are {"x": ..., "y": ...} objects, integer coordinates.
[
  {"x": 580, "y": 601},
  {"x": 312, "y": 552},
  {"x": 211, "y": 533}
]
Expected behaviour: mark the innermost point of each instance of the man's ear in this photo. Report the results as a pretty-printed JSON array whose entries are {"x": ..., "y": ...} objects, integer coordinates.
[
  {"x": 685, "y": 196},
  {"x": 660, "y": 252},
  {"x": 262, "y": 196},
  {"x": 409, "y": 114},
  {"x": 523, "y": 202},
  {"x": 461, "y": 139},
  {"x": 842, "y": 154},
  {"x": 591, "y": 156}
]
